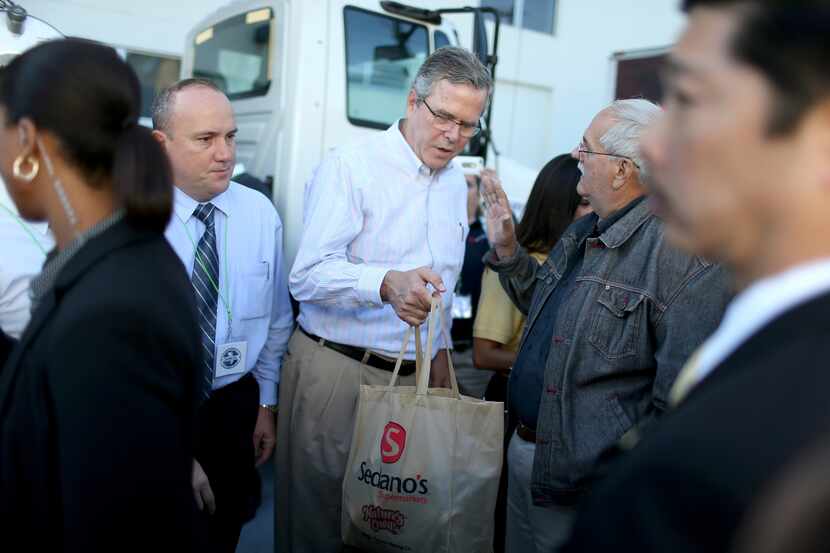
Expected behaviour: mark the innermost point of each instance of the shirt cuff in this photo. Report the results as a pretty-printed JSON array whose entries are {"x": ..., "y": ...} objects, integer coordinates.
[
  {"x": 268, "y": 393},
  {"x": 443, "y": 345},
  {"x": 499, "y": 264},
  {"x": 368, "y": 285}
]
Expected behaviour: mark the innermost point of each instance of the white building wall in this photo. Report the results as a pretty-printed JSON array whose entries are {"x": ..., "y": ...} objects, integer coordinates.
[
  {"x": 591, "y": 31},
  {"x": 555, "y": 84}
]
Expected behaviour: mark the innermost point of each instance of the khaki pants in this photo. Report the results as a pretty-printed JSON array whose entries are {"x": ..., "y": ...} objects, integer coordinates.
[
  {"x": 531, "y": 528},
  {"x": 318, "y": 403}
]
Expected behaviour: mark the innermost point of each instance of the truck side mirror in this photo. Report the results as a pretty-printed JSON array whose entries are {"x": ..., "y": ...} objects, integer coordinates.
[
  {"x": 480, "y": 46},
  {"x": 15, "y": 18}
]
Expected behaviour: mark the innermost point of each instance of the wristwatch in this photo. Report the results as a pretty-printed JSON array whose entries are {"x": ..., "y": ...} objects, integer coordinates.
[{"x": 272, "y": 408}]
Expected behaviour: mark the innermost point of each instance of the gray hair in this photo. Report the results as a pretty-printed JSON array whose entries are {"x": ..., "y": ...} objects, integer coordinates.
[
  {"x": 623, "y": 138},
  {"x": 455, "y": 65},
  {"x": 163, "y": 102}
]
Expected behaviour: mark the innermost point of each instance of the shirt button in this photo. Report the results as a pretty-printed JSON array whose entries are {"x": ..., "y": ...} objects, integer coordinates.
[
  {"x": 607, "y": 287},
  {"x": 548, "y": 280}
]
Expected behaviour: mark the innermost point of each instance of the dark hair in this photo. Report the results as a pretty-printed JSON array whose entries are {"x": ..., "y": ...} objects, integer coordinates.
[
  {"x": 551, "y": 205},
  {"x": 89, "y": 98},
  {"x": 163, "y": 102},
  {"x": 787, "y": 43}
]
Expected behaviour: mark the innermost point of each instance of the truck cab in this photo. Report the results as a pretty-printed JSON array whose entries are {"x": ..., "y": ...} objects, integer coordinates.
[
  {"x": 19, "y": 32},
  {"x": 304, "y": 77}
]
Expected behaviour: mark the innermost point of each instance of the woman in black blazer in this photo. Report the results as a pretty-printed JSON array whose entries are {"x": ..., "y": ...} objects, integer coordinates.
[{"x": 97, "y": 400}]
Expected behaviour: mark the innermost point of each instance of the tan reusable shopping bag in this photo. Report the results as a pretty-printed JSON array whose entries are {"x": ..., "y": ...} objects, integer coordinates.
[{"x": 423, "y": 470}]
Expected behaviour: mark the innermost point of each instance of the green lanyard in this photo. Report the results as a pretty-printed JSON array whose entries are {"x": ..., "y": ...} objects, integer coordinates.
[
  {"x": 25, "y": 227},
  {"x": 225, "y": 298}
]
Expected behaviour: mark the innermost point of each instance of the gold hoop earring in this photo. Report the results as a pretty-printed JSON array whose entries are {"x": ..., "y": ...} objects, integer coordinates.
[{"x": 18, "y": 163}]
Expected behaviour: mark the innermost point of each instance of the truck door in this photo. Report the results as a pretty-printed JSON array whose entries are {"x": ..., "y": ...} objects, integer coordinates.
[{"x": 382, "y": 54}]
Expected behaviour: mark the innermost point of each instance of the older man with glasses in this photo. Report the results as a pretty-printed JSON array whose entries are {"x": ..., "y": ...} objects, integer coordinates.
[
  {"x": 741, "y": 165},
  {"x": 385, "y": 229},
  {"x": 613, "y": 314}
]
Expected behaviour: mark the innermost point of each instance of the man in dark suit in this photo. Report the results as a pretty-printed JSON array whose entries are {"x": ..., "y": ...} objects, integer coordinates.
[{"x": 741, "y": 166}]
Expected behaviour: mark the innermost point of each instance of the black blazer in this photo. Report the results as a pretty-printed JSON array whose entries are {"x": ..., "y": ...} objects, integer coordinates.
[
  {"x": 687, "y": 485},
  {"x": 6, "y": 344},
  {"x": 97, "y": 403}
]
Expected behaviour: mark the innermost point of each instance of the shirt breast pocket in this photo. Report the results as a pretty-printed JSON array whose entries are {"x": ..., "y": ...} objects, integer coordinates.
[
  {"x": 459, "y": 238},
  {"x": 615, "y": 329},
  {"x": 256, "y": 292}
]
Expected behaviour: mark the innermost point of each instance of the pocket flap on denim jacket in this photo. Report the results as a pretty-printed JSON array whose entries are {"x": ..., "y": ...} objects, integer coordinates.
[{"x": 619, "y": 301}]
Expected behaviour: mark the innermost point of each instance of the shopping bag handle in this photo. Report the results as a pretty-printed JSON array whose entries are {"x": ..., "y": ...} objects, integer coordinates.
[
  {"x": 422, "y": 380},
  {"x": 418, "y": 355},
  {"x": 421, "y": 375}
]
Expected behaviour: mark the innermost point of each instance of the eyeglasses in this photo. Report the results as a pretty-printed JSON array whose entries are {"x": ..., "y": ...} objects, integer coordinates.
[
  {"x": 446, "y": 123},
  {"x": 582, "y": 150}
]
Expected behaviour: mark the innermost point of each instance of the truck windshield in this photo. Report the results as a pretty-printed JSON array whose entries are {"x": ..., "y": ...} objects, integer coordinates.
[
  {"x": 236, "y": 54},
  {"x": 383, "y": 55}
]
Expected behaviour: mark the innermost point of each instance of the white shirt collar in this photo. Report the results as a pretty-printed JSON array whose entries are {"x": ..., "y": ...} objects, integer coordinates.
[
  {"x": 6, "y": 201},
  {"x": 184, "y": 205},
  {"x": 758, "y": 305},
  {"x": 397, "y": 138}
]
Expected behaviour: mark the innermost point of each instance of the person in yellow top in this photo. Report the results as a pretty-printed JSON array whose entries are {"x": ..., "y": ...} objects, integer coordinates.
[{"x": 552, "y": 206}]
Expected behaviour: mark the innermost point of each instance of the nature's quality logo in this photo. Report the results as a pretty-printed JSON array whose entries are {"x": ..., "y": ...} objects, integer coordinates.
[
  {"x": 392, "y": 442},
  {"x": 383, "y": 519}
]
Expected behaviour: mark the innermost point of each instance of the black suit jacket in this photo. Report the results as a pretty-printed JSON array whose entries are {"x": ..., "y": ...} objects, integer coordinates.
[
  {"x": 687, "y": 485},
  {"x": 97, "y": 405},
  {"x": 6, "y": 344}
]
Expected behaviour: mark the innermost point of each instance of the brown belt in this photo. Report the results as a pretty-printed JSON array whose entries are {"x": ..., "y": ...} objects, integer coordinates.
[
  {"x": 526, "y": 433},
  {"x": 372, "y": 359}
]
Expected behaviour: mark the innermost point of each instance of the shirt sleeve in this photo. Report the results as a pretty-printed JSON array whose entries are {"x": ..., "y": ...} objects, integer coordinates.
[
  {"x": 496, "y": 318},
  {"x": 14, "y": 300},
  {"x": 517, "y": 274},
  {"x": 267, "y": 368},
  {"x": 333, "y": 218}
]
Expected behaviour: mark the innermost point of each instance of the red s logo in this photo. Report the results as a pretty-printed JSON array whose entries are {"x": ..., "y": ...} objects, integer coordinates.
[{"x": 392, "y": 442}]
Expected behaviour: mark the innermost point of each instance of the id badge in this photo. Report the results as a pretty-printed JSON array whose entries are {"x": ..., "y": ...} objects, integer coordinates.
[{"x": 230, "y": 358}]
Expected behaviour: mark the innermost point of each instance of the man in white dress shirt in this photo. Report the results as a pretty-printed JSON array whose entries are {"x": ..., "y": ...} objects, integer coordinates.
[
  {"x": 24, "y": 246},
  {"x": 385, "y": 227},
  {"x": 229, "y": 238}
]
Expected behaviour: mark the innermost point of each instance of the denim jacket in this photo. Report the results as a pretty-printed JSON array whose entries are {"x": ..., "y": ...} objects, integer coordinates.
[{"x": 638, "y": 309}]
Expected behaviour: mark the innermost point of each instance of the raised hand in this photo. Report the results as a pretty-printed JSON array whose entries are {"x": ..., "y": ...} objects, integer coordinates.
[{"x": 501, "y": 232}]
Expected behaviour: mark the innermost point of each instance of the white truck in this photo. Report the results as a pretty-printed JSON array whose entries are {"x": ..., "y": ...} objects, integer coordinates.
[
  {"x": 19, "y": 31},
  {"x": 307, "y": 75}
]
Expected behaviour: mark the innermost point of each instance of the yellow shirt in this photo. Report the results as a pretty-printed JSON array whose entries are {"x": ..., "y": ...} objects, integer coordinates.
[{"x": 497, "y": 318}]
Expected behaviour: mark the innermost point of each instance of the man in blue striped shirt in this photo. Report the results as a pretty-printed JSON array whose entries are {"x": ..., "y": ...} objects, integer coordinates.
[{"x": 229, "y": 238}]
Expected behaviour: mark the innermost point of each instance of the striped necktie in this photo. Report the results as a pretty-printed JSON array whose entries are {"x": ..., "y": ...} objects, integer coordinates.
[{"x": 205, "y": 279}]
